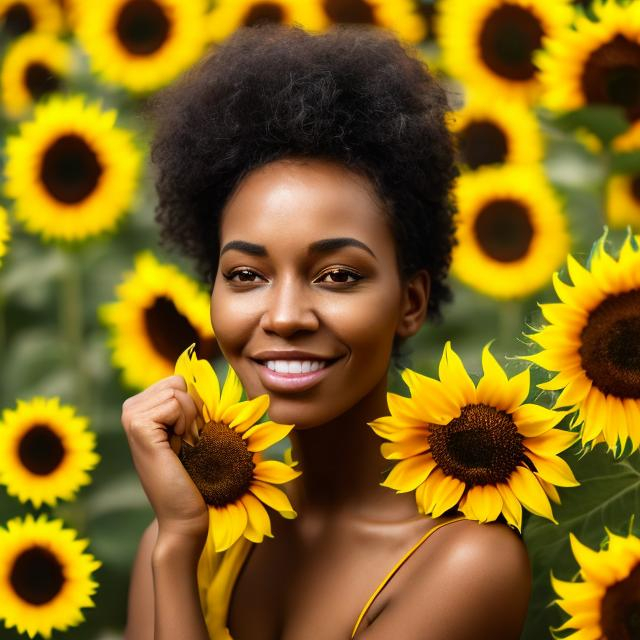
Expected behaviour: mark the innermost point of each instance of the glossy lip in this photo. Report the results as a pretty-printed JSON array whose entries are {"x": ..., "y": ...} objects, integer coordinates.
[{"x": 291, "y": 382}]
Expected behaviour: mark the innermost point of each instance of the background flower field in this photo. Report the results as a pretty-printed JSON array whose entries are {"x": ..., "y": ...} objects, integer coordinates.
[{"x": 93, "y": 308}]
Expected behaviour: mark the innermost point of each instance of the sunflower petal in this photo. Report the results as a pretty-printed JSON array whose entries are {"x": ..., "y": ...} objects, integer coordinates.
[
  {"x": 258, "y": 518},
  {"x": 554, "y": 469},
  {"x": 493, "y": 384},
  {"x": 527, "y": 489},
  {"x": 245, "y": 414},
  {"x": 275, "y": 472},
  {"x": 265, "y": 434},
  {"x": 404, "y": 448},
  {"x": 231, "y": 392},
  {"x": 511, "y": 507},
  {"x": 207, "y": 385},
  {"x": 455, "y": 378},
  {"x": 407, "y": 474},
  {"x": 273, "y": 497}
]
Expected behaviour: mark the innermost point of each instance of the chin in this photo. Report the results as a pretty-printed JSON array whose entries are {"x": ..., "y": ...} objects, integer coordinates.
[{"x": 301, "y": 414}]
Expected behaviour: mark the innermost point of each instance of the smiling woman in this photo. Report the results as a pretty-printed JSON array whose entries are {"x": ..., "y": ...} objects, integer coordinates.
[{"x": 309, "y": 176}]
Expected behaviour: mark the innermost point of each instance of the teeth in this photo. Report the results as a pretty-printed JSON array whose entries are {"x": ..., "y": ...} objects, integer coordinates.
[{"x": 295, "y": 366}]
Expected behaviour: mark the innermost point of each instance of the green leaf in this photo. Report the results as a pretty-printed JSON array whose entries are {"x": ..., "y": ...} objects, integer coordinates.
[{"x": 605, "y": 121}]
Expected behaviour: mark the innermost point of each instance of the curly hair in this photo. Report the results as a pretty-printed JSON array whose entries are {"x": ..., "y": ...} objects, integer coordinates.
[{"x": 352, "y": 95}]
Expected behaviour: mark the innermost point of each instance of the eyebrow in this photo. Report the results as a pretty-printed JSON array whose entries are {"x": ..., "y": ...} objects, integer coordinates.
[{"x": 320, "y": 246}]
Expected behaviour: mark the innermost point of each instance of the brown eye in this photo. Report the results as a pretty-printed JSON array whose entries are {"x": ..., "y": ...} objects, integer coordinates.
[
  {"x": 341, "y": 276},
  {"x": 242, "y": 275}
]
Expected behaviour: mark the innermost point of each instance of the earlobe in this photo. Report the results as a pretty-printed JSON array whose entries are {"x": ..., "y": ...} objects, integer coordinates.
[{"x": 414, "y": 307}]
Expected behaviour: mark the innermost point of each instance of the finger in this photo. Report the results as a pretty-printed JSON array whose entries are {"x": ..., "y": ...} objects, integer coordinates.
[
  {"x": 148, "y": 403},
  {"x": 170, "y": 382}
]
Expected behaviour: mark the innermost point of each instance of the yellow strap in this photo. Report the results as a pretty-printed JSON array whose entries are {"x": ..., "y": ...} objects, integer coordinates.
[{"x": 395, "y": 568}]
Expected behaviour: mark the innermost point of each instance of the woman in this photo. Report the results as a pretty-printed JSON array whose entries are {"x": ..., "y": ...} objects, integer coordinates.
[{"x": 309, "y": 177}]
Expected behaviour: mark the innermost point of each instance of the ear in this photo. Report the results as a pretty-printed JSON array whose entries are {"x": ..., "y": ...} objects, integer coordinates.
[{"x": 413, "y": 309}]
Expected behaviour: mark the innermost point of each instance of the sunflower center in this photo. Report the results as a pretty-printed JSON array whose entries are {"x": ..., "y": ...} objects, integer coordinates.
[
  {"x": 40, "y": 450},
  {"x": 36, "y": 576},
  {"x": 481, "y": 143},
  {"x": 481, "y": 446},
  {"x": 142, "y": 27},
  {"x": 70, "y": 169},
  {"x": 40, "y": 80},
  {"x": 610, "y": 349},
  {"x": 349, "y": 11},
  {"x": 18, "y": 19},
  {"x": 635, "y": 188},
  {"x": 503, "y": 230},
  {"x": 507, "y": 41},
  {"x": 220, "y": 465},
  {"x": 620, "y": 608},
  {"x": 264, "y": 12},
  {"x": 612, "y": 75},
  {"x": 170, "y": 333}
]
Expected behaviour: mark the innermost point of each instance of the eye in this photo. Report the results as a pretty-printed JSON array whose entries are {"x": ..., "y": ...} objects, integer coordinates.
[
  {"x": 241, "y": 275},
  {"x": 340, "y": 276}
]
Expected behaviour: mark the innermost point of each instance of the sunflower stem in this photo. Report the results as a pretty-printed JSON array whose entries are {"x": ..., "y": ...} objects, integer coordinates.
[
  {"x": 72, "y": 324},
  {"x": 509, "y": 322}
]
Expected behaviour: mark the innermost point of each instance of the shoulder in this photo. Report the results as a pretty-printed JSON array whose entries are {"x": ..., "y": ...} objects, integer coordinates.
[{"x": 470, "y": 581}]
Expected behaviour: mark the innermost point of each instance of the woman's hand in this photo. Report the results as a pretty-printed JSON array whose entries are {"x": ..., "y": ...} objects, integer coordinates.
[{"x": 150, "y": 419}]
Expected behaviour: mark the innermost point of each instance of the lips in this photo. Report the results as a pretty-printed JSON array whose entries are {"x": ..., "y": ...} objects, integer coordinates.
[{"x": 285, "y": 374}]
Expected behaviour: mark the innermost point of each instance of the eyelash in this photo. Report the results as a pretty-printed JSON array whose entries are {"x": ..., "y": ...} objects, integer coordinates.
[{"x": 356, "y": 276}]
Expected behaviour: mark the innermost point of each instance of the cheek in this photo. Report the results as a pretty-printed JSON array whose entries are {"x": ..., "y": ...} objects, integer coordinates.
[{"x": 231, "y": 320}]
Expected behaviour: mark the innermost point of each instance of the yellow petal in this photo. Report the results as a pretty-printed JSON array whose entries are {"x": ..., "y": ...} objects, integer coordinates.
[
  {"x": 527, "y": 489},
  {"x": 455, "y": 378},
  {"x": 245, "y": 414},
  {"x": 406, "y": 475},
  {"x": 275, "y": 472},
  {"x": 447, "y": 495},
  {"x": 433, "y": 399},
  {"x": 511, "y": 507},
  {"x": 554, "y": 469},
  {"x": 404, "y": 448},
  {"x": 231, "y": 391},
  {"x": 405, "y": 409},
  {"x": 391, "y": 429},
  {"x": 533, "y": 420},
  {"x": 492, "y": 385},
  {"x": 486, "y": 502},
  {"x": 592, "y": 564},
  {"x": 272, "y": 497},
  {"x": 258, "y": 518},
  {"x": 206, "y": 384},
  {"x": 228, "y": 524},
  {"x": 551, "y": 442},
  {"x": 265, "y": 434}
]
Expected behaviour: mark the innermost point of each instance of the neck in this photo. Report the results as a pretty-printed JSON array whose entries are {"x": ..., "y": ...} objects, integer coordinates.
[{"x": 342, "y": 467}]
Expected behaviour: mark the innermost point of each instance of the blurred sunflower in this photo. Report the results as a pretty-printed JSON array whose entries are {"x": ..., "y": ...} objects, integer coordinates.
[
  {"x": 487, "y": 135},
  {"x": 594, "y": 62},
  {"x": 490, "y": 44},
  {"x": 22, "y": 16},
  {"x": 479, "y": 449},
  {"x": 622, "y": 206},
  {"x": 605, "y": 603},
  {"x": 45, "y": 578},
  {"x": 45, "y": 451},
  {"x": 34, "y": 66},
  {"x": 141, "y": 44},
  {"x": 229, "y": 15},
  {"x": 159, "y": 313},
  {"x": 225, "y": 463},
  {"x": 592, "y": 341},
  {"x": 511, "y": 231},
  {"x": 71, "y": 172},
  {"x": 5, "y": 232},
  {"x": 400, "y": 16}
]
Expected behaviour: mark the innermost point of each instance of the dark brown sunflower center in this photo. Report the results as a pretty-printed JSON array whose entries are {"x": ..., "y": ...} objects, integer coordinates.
[
  {"x": 620, "y": 608},
  {"x": 40, "y": 450},
  {"x": 171, "y": 333},
  {"x": 142, "y": 27},
  {"x": 70, "y": 170},
  {"x": 40, "y": 80},
  {"x": 611, "y": 75},
  {"x": 264, "y": 12},
  {"x": 481, "y": 143},
  {"x": 220, "y": 465},
  {"x": 507, "y": 41},
  {"x": 610, "y": 345},
  {"x": 36, "y": 576},
  {"x": 481, "y": 446},
  {"x": 349, "y": 11},
  {"x": 18, "y": 19},
  {"x": 503, "y": 230}
]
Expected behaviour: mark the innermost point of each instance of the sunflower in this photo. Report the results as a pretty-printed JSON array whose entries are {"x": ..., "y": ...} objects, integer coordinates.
[
  {"x": 159, "y": 313},
  {"x": 141, "y": 44},
  {"x": 594, "y": 62},
  {"x": 33, "y": 67},
  {"x": 478, "y": 448},
  {"x": 229, "y": 15},
  {"x": 45, "y": 451},
  {"x": 45, "y": 578},
  {"x": 592, "y": 341},
  {"x": 23, "y": 16},
  {"x": 511, "y": 231},
  {"x": 400, "y": 16},
  {"x": 71, "y": 172},
  {"x": 226, "y": 462},
  {"x": 604, "y": 605},
  {"x": 5, "y": 232},
  {"x": 490, "y": 44},
  {"x": 487, "y": 135},
  {"x": 623, "y": 201}
]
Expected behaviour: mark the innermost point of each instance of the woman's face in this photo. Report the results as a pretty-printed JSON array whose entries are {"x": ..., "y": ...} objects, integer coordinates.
[{"x": 307, "y": 297}]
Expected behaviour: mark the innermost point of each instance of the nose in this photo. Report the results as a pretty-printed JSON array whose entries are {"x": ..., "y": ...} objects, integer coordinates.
[{"x": 289, "y": 309}]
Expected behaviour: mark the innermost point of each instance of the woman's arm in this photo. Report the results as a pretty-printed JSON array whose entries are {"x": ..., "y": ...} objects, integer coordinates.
[{"x": 475, "y": 588}]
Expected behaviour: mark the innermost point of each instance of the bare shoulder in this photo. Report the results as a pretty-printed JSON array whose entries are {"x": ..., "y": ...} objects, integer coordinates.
[{"x": 470, "y": 581}]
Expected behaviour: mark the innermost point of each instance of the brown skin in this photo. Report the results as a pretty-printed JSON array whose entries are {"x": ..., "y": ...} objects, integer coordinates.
[{"x": 468, "y": 582}]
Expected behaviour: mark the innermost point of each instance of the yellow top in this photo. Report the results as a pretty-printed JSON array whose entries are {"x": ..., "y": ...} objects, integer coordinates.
[{"x": 218, "y": 572}]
